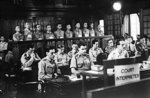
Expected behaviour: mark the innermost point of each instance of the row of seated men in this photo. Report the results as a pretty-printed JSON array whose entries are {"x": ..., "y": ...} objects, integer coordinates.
[
  {"x": 130, "y": 49},
  {"x": 39, "y": 34},
  {"x": 77, "y": 60}
]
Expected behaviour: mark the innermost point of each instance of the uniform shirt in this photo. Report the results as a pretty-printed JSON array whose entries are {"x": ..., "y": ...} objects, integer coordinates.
[
  {"x": 92, "y": 32},
  {"x": 49, "y": 35},
  {"x": 28, "y": 34},
  {"x": 78, "y": 33},
  {"x": 81, "y": 62},
  {"x": 17, "y": 37},
  {"x": 47, "y": 68},
  {"x": 99, "y": 33},
  {"x": 3, "y": 46},
  {"x": 94, "y": 52},
  {"x": 38, "y": 36},
  {"x": 27, "y": 60},
  {"x": 71, "y": 54},
  {"x": 59, "y": 34},
  {"x": 108, "y": 49},
  {"x": 86, "y": 32},
  {"x": 61, "y": 59},
  {"x": 116, "y": 55},
  {"x": 69, "y": 34}
]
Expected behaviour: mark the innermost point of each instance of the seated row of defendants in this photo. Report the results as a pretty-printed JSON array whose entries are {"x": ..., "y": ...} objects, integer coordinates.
[
  {"x": 78, "y": 60},
  {"x": 39, "y": 34}
]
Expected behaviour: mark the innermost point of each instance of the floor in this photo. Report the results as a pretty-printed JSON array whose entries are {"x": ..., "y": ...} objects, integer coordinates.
[{"x": 10, "y": 92}]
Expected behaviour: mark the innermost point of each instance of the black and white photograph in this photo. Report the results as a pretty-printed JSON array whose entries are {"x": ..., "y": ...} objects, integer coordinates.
[{"x": 74, "y": 48}]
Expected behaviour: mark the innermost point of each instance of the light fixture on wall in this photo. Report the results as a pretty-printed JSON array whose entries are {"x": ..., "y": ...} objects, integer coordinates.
[{"x": 117, "y": 6}]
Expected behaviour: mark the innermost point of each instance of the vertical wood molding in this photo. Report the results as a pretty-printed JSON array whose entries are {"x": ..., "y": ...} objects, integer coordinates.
[{"x": 141, "y": 22}]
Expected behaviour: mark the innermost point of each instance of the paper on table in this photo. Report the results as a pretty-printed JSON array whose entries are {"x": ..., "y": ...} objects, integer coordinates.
[
  {"x": 94, "y": 72},
  {"x": 74, "y": 78}
]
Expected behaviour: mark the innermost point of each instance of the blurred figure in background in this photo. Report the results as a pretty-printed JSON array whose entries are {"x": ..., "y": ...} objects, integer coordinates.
[
  {"x": 3, "y": 47},
  {"x": 68, "y": 33},
  {"x": 59, "y": 33},
  {"x": 78, "y": 31},
  {"x": 38, "y": 35},
  {"x": 49, "y": 34},
  {"x": 85, "y": 30},
  {"x": 99, "y": 31},
  {"x": 91, "y": 30},
  {"x": 17, "y": 36},
  {"x": 27, "y": 32}
]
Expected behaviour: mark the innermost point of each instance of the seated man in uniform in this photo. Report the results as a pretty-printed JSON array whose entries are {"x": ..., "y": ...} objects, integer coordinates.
[
  {"x": 49, "y": 74},
  {"x": 47, "y": 66},
  {"x": 81, "y": 61},
  {"x": 29, "y": 60},
  {"x": 61, "y": 58},
  {"x": 73, "y": 51},
  {"x": 94, "y": 51},
  {"x": 110, "y": 46},
  {"x": 119, "y": 52},
  {"x": 17, "y": 36}
]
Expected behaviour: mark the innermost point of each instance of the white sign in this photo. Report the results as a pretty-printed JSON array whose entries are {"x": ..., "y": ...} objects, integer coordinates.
[{"x": 126, "y": 74}]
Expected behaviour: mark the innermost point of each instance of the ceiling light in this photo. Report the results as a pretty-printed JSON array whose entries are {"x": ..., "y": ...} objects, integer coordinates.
[{"x": 117, "y": 6}]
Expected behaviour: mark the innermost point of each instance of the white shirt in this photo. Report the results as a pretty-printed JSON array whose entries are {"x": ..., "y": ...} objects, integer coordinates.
[{"x": 116, "y": 55}]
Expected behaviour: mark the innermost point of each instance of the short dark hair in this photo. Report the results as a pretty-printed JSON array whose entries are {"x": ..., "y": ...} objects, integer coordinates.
[
  {"x": 94, "y": 41},
  {"x": 48, "y": 25},
  {"x": 118, "y": 41},
  {"x": 50, "y": 48},
  {"x": 60, "y": 46},
  {"x": 74, "y": 42},
  {"x": 81, "y": 43},
  {"x": 109, "y": 40},
  {"x": 30, "y": 46}
]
